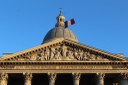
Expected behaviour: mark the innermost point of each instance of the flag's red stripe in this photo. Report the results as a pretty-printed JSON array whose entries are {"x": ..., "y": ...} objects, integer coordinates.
[{"x": 72, "y": 21}]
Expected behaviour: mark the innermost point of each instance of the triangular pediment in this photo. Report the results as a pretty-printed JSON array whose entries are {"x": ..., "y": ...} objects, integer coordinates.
[{"x": 62, "y": 50}]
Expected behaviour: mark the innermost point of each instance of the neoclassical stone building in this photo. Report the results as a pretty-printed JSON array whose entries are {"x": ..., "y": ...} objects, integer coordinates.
[{"x": 62, "y": 60}]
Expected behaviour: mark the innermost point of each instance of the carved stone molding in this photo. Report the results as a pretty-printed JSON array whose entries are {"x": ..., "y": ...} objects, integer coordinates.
[
  {"x": 100, "y": 78},
  {"x": 76, "y": 78},
  {"x": 3, "y": 78},
  {"x": 28, "y": 78},
  {"x": 52, "y": 78}
]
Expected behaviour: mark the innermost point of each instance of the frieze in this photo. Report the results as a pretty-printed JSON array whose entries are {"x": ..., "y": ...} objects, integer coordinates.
[{"x": 60, "y": 67}]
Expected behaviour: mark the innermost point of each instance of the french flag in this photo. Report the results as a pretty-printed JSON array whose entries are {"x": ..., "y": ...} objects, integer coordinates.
[{"x": 70, "y": 22}]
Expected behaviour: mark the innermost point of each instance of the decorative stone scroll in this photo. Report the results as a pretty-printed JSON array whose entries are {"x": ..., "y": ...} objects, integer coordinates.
[
  {"x": 124, "y": 78},
  {"x": 28, "y": 78},
  {"x": 52, "y": 78},
  {"x": 3, "y": 79},
  {"x": 76, "y": 78},
  {"x": 100, "y": 78}
]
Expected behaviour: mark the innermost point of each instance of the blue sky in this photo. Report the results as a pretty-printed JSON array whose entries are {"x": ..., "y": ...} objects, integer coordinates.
[{"x": 99, "y": 23}]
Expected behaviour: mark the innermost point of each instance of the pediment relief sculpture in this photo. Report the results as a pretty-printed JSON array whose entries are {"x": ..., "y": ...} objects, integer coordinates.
[
  {"x": 61, "y": 53},
  {"x": 62, "y": 50}
]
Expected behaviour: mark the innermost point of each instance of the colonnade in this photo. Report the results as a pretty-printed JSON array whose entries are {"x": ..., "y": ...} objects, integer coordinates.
[{"x": 53, "y": 76}]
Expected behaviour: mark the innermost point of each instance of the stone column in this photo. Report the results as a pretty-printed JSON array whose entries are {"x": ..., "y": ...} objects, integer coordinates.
[
  {"x": 124, "y": 79},
  {"x": 27, "y": 78},
  {"x": 76, "y": 78},
  {"x": 52, "y": 78},
  {"x": 100, "y": 78},
  {"x": 3, "y": 79}
]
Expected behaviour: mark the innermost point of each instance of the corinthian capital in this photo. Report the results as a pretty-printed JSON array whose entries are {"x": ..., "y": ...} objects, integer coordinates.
[
  {"x": 100, "y": 78},
  {"x": 3, "y": 76},
  {"x": 3, "y": 79},
  {"x": 52, "y": 76},
  {"x": 124, "y": 76},
  {"x": 76, "y": 76},
  {"x": 100, "y": 75},
  {"x": 28, "y": 76}
]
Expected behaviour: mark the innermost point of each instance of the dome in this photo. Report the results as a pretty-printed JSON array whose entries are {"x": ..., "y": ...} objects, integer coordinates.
[{"x": 60, "y": 32}]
